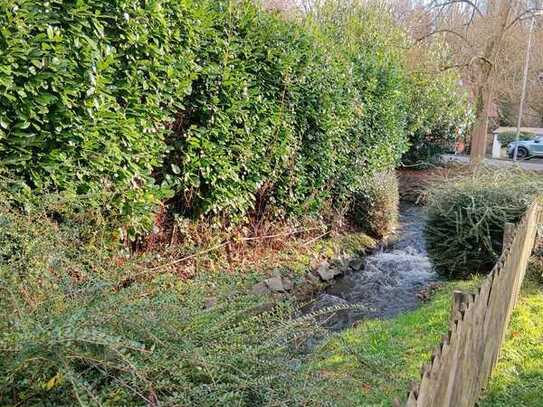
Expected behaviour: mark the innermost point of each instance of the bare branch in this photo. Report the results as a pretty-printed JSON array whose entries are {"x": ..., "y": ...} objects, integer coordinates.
[
  {"x": 467, "y": 64},
  {"x": 437, "y": 4},
  {"x": 524, "y": 15},
  {"x": 446, "y": 31}
]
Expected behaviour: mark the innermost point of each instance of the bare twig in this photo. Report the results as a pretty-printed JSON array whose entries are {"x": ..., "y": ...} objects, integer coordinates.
[{"x": 316, "y": 238}]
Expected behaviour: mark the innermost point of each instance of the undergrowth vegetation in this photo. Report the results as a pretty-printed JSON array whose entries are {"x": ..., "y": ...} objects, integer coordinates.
[
  {"x": 467, "y": 214},
  {"x": 76, "y": 331}
]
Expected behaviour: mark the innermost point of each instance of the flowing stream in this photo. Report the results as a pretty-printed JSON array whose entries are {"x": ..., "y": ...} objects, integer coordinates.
[{"x": 388, "y": 282}]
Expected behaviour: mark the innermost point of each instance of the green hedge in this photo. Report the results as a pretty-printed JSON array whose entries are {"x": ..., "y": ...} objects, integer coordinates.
[
  {"x": 438, "y": 114},
  {"x": 219, "y": 104},
  {"x": 87, "y": 90},
  {"x": 289, "y": 117}
]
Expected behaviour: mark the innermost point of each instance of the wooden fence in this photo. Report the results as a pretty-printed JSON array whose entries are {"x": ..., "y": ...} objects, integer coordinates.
[{"x": 461, "y": 366}]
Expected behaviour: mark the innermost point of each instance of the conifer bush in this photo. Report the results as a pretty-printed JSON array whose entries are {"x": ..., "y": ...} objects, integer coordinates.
[{"x": 466, "y": 217}]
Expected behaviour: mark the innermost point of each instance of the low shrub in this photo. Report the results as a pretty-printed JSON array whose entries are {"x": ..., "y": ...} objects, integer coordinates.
[
  {"x": 466, "y": 217},
  {"x": 376, "y": 208},
  {"x": 72, "y": 335}
]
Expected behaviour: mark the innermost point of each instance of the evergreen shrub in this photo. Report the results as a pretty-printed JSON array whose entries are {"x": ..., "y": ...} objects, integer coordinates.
[
  {"x": 219, "y": 105},
  {"x": 376, "y": 207},
  {"x": 466, "y": 217}
]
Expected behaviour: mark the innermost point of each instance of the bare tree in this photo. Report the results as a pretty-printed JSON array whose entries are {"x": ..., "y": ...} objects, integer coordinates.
[
  {"x": 510, "y": 78},
  {"x": 479, "y": 33}
]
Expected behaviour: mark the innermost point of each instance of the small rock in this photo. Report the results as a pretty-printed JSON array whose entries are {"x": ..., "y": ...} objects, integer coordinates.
[
  {"x": 323, "y": 265},
  {"x": 312, "y": 278},
  {"x": 356, "y": 263},
  {"x": 275, "y": 284},
  {"x": 260, "y": 289},
  {"x": 287, "y": 284},
  {"x": 210, "y": 302},
  {"x": 325, "y": 272},
  {"x": 337, "y": 271}
]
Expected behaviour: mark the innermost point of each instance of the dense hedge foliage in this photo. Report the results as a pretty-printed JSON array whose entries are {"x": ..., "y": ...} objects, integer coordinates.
[
  {"x": 219, "y": 104},
  {"x": 292, "y": 120},
  {"x": 86, "y": 93},
  {"x": 466, "y": 218},
  {"x": 438, "y": 115}
]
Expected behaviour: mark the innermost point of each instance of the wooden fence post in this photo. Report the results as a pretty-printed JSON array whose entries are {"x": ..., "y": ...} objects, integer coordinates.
[{"x": 508, "y": 230}]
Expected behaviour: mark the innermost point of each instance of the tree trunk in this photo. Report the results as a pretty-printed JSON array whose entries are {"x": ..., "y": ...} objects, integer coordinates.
[
  {"x": 480, "y": 127},
  {"x": 483, "y": 99}
]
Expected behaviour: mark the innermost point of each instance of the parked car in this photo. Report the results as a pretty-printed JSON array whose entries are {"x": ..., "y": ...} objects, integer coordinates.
[{"x": 527, "y": 148}]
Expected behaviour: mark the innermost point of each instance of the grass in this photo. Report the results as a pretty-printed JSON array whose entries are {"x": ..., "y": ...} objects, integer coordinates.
[
  {"x": 84, "y": 325},
  {"x": 518, "y": 378},
  {"x": 375, "y": 362}
]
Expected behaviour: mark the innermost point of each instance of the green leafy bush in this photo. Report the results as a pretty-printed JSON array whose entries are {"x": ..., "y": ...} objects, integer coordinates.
[
  {"x": 535, "y": 265},
  {"x": 376, "y": 209},
  {"x": 87, "y": 90},
  {"x": 438, "y": 115},
  {"x": 466, "y": 218},
  {"x": 219, "y": 104},
  {"x": 289, "y": 118}
]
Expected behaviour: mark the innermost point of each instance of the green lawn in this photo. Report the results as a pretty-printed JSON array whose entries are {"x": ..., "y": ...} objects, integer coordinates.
[
  {"x": 518, "y": 378},
  {"x": 375, "y": 362}
]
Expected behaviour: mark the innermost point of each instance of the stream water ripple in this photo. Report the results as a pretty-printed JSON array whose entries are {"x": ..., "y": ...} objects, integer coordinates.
[{"x": 389, "y": 280}]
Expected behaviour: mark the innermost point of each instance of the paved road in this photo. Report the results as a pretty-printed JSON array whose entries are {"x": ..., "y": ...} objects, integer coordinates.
[{"x": 535, "y": 164}]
